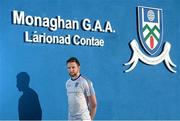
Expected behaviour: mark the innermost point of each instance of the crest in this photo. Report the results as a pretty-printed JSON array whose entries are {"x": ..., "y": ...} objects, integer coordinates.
[
  {"x": 150, "y": 28},
  {"x": 150, "y": 34}
]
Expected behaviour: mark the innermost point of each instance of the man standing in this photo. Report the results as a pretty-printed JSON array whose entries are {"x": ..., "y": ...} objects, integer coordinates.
[{"x": 80, "y": 92}]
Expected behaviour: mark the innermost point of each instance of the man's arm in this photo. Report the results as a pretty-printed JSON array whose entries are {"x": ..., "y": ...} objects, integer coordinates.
[{"x": 92, "y": 105}]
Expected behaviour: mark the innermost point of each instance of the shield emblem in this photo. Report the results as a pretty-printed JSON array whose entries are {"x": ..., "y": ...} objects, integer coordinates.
[{"x": 150, "y": 28}]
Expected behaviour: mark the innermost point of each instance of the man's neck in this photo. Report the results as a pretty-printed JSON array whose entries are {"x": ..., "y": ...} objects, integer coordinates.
[{"x": 75, "y": 77}]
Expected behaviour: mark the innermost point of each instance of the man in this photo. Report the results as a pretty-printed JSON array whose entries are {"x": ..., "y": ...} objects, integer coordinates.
[
  {"x": 29, "y": 106},
  {"x": 80, "y": 92}
]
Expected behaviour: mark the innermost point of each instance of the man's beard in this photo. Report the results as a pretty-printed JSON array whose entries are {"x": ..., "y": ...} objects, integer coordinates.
[{"x": 73, "y": 74}]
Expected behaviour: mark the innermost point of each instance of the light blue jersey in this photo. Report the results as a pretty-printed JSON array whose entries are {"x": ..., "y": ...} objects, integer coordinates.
[{"x": 77, "y": 91}]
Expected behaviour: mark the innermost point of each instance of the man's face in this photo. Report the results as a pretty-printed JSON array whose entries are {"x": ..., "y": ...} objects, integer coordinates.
[
  {"x": 18, "y": 85},
  {"x": 73, "y": 69}
]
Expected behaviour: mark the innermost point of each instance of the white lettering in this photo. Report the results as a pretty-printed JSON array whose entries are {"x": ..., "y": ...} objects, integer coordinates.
[
  {"x": 97, "y": 26},
  {"x": 86, "y": 24},
  {"x": 18, "y": 17},
  {"x": 77, "y": 40},
  {"x": 108, "y": 27}
]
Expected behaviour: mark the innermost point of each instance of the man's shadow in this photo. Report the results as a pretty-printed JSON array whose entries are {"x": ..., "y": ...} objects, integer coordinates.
[{"x": 29, "y": 107}]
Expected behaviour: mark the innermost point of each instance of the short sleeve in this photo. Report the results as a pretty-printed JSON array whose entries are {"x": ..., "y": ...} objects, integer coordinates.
[{"x": 89, "y": 89}]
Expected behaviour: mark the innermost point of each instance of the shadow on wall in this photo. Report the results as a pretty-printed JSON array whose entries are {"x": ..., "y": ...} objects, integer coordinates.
[{"x": 29, "y": 107}]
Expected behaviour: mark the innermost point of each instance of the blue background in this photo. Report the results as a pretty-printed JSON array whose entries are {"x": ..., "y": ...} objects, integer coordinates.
[{"x": 147, "y": 92}]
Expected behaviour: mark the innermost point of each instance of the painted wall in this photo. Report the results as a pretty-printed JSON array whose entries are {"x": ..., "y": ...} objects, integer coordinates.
[{"x": 147, "y": 92}]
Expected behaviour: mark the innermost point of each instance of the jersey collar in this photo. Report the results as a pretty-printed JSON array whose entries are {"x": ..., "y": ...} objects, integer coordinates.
[{"x": 76, "y": 78}]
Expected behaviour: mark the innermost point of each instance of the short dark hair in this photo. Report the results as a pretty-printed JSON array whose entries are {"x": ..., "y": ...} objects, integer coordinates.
[
  {"x": 73, "y": 59},
  {"x": 23, "y": 77}
]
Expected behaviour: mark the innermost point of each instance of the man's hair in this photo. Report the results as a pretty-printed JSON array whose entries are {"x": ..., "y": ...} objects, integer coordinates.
[
  {"x": 23, "y": 77},
  {"x": 73, "y": 59}
]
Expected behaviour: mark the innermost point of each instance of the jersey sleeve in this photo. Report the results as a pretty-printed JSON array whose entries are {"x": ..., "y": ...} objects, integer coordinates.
[{"x": 88, "y": 88}]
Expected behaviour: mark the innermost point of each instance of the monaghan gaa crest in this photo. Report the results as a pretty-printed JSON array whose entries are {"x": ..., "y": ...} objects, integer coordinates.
[{"x": 150, "y": 28}]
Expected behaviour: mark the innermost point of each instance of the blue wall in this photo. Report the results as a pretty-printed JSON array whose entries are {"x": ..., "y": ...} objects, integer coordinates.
[{"x": 147, "y": 92}]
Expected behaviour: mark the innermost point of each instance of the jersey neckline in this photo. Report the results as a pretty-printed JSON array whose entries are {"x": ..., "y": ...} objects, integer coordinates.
[{"x": 76, "y": 78}]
